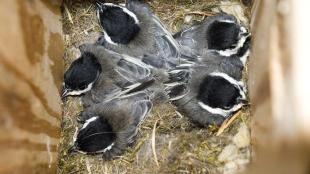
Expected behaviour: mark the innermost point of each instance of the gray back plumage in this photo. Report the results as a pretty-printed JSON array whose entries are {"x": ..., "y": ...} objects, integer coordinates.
[
  {"x": 152, "y": 39},
  {"x": 188, "y": 106},
  {"x": 184, "y": 85},
  {"x": 190, "y": 76},
  {"x": 120, "y": 74},
  {"x": 193, "y": 40},
  {"x": 124, "y": 114}
]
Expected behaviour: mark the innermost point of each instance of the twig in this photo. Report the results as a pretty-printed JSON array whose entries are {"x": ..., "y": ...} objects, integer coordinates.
[
  {"x": 75, "y": 134},
  {"x": 68, "y": 13},
  {"x": 125, "y": 161},
  {"x": 200, "y": 13},
  {"x": 86, "y": 30},
  {"x": 88, "y": 166},
  {"x": 138, "y": 146},
  {"x": 179, "y": 114},
  {"x": 147, "y": 128},
  {"x": 153, "y": 144},
  {"x": 228, "y": 4},
  {"x": 227, "y": 123},
  {"x": 88, "y": 9}
]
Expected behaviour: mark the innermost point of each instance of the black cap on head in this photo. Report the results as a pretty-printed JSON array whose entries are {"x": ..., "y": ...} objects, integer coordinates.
[
  {"x": 222, "y": 35},
  {"x": 118, "y": 24},
  {"x": 95, "y": 136},
  {"x": 218, "y": 92},
  {"x": 82, "y": 72},
  {"x": 246, "y": 46}
]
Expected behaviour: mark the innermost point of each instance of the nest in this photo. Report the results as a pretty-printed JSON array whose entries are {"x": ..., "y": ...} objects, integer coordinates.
[{"x": 168, "y": 142}]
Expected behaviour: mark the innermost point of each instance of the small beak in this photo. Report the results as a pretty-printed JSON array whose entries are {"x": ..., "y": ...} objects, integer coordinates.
[
  {"x": 248, "y": 37},
  {"x": 64, "y": 92},
  {"x": 82, "y": 47},
  {"x": 72, "y": 150},
  {"x": 243, "y": 101},
  {"x": 79, "y": 119},
  {"x": 98, "y": 4},
  {"x": 101, "y": 40}
]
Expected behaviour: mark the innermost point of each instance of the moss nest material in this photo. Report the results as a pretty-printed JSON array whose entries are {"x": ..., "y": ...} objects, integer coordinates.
[{"x": 168, "y": 142}]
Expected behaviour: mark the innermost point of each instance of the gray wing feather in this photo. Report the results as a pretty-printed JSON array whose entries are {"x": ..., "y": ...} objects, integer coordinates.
[{"x": 133, "y": 69}]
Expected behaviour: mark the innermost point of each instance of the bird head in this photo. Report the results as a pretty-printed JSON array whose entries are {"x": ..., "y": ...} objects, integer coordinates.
[{"x": 81, "y": 75}]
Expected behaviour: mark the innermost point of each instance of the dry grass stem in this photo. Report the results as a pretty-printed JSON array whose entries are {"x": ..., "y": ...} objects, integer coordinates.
[
  {"x": 227, "y": 123},
  {"x": 154, "y": 143}
]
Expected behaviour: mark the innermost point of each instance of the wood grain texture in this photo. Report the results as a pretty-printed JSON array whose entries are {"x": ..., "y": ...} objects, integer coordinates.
[
  {"x": 279, "y": 147},
  {"x": 31, "y": 68}
]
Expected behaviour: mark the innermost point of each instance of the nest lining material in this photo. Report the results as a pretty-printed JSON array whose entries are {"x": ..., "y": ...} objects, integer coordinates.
[{"x": 168, "y": 142}]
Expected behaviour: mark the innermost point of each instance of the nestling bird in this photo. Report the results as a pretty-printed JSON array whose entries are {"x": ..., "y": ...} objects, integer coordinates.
[
  {"x": 122, "y": 74},
  {"x": 205, "y": 94},
  {"x": 136, "y": 31},
  {"x": 110, "y": 127},
  {"x": 221, "y": 33},
  {"x": 81, "y": 75},
  {"x": 183, "y": 76},
  {"x": 105, "y": 74}
]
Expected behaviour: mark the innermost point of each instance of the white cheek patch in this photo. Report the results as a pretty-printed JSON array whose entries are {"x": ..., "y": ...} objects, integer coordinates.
[
  {"x": 219, "y": 111},
  {"x": 108, "y": 38},
  {"x": 227, "y": 21},
  {"x": 108, "y": 148},
  {"x": 125, "y": 10},
  {"x": 79, "y": 92},
  {"x": 229, "y": 52},
  {"x": 131, "y": 14},
  {"x": 245, "y": 57},
  {"x": 99, "y": 151},
  {"x": 226, "y": 77},
  {"x": 87, "y": 122}
]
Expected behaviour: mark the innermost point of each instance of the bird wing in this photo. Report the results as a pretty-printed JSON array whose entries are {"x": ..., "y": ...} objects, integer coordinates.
[
  {"x": 126, "y": 71},
  {"x": 131, "y": 110},
  {"x": 186, "y": 38},
  {"x": 164, "y": 40},
  {"x": 140, "y": 107},
  {"x": 122, "y": 110},
  {"x": 177, "y": 84},
  {"x": 133, "y": 69}
]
